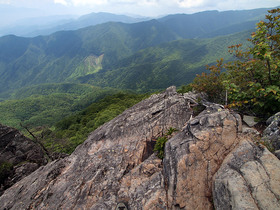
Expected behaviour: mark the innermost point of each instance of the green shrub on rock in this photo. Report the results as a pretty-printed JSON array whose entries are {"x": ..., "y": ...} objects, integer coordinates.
[{"x": 160, "y": 143}]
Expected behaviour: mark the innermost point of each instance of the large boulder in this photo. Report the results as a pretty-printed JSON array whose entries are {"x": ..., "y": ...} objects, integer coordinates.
[
  {"x": 19, "y": 152},
  {"x": 271, "y": 135},
  {"x": 249, "y": 178},
  {"x": 193, "y": 157}
]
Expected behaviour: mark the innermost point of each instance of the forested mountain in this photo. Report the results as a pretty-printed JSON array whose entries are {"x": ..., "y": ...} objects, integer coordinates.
[
  {"x": 87, "y": 20},
  {"x": 64, "y": 88},
  {"x": 172, "y": 63},
  {"x": 68, "y": 55},
  {"x": 65, "y": 55},
  {"x": 212, "y": 23}
]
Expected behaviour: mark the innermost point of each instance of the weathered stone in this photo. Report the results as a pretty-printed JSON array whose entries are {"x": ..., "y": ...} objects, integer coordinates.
[
  {"x": 143, "y": 187},
  {"x": 104, "y": 170},
  {"x": 248, "y": 179},
  {"x": 271, "y": 134},
  {"x": 24, "y": 155},
  {"x": 193, "y": 157},
  {"x": 250, "y": 120},
  {"x": 251, "y": 132},
  {"x": 277, "y": 154}
]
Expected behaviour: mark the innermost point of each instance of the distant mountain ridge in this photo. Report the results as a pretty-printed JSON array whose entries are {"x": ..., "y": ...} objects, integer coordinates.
[
  {"x": 211, "y": 23},
  {"x": 49, "y": 25},
  {"x": 64, "y": 56}
]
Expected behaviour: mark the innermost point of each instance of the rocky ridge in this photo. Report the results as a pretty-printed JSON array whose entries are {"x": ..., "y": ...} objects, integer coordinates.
[
  {"x": 117, "y": 163},
  {"x": 23, "y": 155}
]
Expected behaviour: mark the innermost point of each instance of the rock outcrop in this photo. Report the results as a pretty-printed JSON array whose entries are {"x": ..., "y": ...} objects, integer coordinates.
[
  {"x": 193, "y": 157},
  {"x": 117, "y": 163},
  {"x": 271, "y": 135},
  {"x": 248, "y": 179},
  {"x": 97, "y": 174},
  {"x": 24, "y": 155}
]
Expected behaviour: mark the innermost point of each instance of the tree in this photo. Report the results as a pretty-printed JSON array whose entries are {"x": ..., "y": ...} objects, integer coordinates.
[
  {"x": 252, "y": 80},
  {"x": 211, "y": 83}
]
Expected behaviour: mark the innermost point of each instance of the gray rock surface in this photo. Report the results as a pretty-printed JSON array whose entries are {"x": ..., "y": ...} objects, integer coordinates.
[
  {"x": 193, "y": 157},
  {"x": 271, "y": 134},
  {"x": 249, "y": 178},
  {"x": 250, "y": 120},
  {"x": 113, "y": 165},
  {"x": 251, "y": 132},
  {"x": 24, "y": 155},
  {"x": 277, "y": 154}
]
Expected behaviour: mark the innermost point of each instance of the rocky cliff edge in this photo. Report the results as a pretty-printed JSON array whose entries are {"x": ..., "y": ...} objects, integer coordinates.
[{"x": 117, "y": 163}]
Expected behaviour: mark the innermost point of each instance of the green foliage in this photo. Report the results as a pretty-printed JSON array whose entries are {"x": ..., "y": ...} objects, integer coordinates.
[
  {"x": 185, "y": 88},
  {"x": 46, "y": 104},
  {"x": 74, "y": 129},
  {"x": 252, "y": 81},
  {"x": 63, "y": 56},
  {"x": 160, "y": 143},
  {"x": 5, "y": 170},
  {"x": 98, "y": 54},
  {"x": 172, "y": 63},
  {"x": 211, "y": 83}
]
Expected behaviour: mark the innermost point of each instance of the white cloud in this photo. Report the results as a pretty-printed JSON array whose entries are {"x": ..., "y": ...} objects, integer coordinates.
[
  {"x": 160, "y": 7},
  {"x": 63, "y": 2},
  {"x": 5, "y": 1},
  {"x": 140, "y": 7},
  {"x": 88, "y": 2},
  {"x": 218, "y": 4},
  {"x": 190, "y": 3}
]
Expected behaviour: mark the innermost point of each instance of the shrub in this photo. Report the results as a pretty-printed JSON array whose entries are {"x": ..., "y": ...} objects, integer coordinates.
[
  {"x": 160, "y": 143},
  {"x": 252, "y": 81},
  {"x": 5, "y": 170}
]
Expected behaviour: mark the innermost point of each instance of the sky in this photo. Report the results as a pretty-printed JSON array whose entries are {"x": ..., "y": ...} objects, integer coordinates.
[{"x": 151, "y": 8}]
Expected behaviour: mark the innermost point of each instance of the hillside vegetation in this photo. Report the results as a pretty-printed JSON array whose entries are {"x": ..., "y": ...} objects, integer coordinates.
[
  {"x": 67, "y": 55},
  {"x": 250, "y": 83},
  {"x": 71, "y": 131},
  {"x": 47, "y": 104},
  {"x": 172, "y": 63}
]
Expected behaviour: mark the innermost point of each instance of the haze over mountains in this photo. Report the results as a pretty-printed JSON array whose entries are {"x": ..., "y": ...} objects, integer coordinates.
[
  {"x": 99, "y": 54},
  {"x": 31, "y": 27}
]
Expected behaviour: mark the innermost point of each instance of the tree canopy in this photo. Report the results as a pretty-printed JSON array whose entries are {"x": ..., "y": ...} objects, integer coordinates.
[{"x": 252, "y": 80}]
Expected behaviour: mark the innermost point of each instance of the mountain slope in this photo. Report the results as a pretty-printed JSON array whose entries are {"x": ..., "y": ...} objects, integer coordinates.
[
  {"x": 67, "y": 55},
  {"x": 62, "y": 55},
  {"x": 173, "y": 63},
  {"x": 91, "y": 19},
  {"x": 205, "y": 24},
  {"x": 47, "y": 104}
]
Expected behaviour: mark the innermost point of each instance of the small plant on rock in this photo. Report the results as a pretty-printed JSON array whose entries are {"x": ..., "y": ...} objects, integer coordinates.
[
  {"x": 160, "y": 143},
  {"x": 5, "y": 170}
]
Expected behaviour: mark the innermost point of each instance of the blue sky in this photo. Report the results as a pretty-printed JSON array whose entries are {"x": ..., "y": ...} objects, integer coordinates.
[{"x": 139, "y": 7}]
